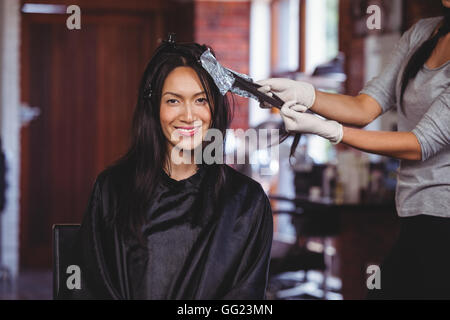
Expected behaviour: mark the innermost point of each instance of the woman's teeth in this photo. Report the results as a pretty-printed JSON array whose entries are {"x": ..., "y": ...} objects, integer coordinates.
[{"x": 187, "y": 132}]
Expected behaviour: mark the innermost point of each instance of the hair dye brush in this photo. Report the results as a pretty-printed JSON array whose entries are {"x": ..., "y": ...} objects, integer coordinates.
[{"x": 240, "y": 84}]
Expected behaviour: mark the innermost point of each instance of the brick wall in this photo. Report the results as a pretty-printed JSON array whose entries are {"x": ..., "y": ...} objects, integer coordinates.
[{"x": 225, "y": 26}]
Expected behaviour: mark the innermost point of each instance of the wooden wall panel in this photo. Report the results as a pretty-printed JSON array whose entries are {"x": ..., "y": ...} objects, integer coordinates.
[{"x": 85, "y": 82}]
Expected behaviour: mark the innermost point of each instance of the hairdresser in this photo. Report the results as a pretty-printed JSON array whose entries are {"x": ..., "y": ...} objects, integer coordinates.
[{"x": 416, "y": 82}]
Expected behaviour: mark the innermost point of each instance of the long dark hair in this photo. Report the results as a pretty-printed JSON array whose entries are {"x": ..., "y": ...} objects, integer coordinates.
[
  {"x": 422, "y": 54},
  {"x": 136, "y": 174}
]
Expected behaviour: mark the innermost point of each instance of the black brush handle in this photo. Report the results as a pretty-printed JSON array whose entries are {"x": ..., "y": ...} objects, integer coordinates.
[
  {"x": 275, "y": 101},
  {"x": 252, "y": 87}
]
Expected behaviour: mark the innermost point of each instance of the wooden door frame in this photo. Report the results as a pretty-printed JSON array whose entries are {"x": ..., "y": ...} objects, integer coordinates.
[{"x": 119, "y": 9}]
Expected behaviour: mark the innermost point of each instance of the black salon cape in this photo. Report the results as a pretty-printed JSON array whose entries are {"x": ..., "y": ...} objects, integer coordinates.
[{"x": 224, "y": 255}]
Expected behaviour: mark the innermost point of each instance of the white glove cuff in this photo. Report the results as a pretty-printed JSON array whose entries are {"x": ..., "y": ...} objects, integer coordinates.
[
  {"x": 337, "y": 138},
  {"x": 311, "y": 98}
]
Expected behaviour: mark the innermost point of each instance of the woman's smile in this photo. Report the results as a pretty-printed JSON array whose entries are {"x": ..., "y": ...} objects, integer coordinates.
[{"x": 187, "y": 131}]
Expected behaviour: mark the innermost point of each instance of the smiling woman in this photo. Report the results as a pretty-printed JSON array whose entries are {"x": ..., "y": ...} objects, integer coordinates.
[
  {"x": 185, "y": 112},
  {"x": 158, "y": 229}
]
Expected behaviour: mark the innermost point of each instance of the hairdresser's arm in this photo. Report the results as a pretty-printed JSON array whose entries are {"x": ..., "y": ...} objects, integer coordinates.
[
  {"x": 430, "y": 136},
  {"x": 377, "y": 96},
  {"x": 357, "y": 111},
  {"x": 400, "y": 145}
]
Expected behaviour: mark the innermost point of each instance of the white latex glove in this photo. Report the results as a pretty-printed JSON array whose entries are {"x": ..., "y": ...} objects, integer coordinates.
[
  {"x": 297, "y": 120},
  {"x": 289, "y": 90}
]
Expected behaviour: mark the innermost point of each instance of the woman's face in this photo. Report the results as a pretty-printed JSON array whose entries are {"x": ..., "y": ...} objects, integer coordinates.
[
  {"x": 185, "y": 113},
  {"x": 446, "y": 3}
]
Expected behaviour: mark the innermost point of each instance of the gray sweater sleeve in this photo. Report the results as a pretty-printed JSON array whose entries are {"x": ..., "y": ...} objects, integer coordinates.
[
  {"x": 433, "y": 130},
  {"x": 382, "y": 87}
]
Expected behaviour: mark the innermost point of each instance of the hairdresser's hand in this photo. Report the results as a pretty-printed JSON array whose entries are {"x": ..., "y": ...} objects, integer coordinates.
[
  {"x": 297, "y": 120},
  {"x": 289, "y": 90}
]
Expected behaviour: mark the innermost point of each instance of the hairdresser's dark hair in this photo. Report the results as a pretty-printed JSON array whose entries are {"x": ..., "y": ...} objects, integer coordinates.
[
  {"x": 140, "y": 170},
  {"x": 422, "y": 54}
]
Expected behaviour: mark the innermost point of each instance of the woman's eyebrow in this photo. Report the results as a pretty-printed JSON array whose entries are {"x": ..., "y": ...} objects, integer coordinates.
[
  {"x": 172, "y": 93},
  {"x": 180, "y": 96}
]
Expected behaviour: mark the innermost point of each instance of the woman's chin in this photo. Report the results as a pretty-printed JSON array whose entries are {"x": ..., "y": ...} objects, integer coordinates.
[{"x": 187, "y": 145}]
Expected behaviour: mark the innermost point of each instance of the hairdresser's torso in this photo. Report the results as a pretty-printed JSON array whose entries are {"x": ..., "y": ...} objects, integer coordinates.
[{"x": 423, "y": 186}]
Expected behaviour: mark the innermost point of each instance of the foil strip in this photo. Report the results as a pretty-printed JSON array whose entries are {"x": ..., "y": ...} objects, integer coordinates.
[{"x": 223, "y": 77}]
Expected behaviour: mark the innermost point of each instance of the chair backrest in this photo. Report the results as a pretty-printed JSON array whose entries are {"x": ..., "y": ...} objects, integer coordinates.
[{"x": 63, "y": 239}]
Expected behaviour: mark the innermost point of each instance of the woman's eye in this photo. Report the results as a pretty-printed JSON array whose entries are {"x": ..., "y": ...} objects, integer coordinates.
[
  {"x": 202, "y": 100},
  {"x": 172, "y": 101}
]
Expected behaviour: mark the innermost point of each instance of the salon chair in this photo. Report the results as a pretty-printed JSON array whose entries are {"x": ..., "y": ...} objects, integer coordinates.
[
  {"x": 311, "y": 220},
  {"x": 63, "y": 239}
]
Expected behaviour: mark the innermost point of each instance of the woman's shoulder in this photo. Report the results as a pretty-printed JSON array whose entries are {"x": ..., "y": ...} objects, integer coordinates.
[
  {"x": 242, "y": 184},
  {"x": 247, "y": 194},
  {"x": 103, "y": 178},
  {"x": 110, "y": 179}
]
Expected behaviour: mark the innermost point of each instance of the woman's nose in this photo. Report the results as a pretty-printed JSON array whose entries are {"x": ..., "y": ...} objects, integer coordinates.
[{"x": 188, "y": 114}]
